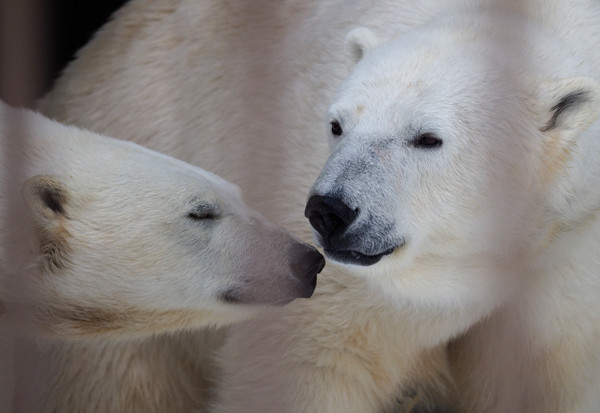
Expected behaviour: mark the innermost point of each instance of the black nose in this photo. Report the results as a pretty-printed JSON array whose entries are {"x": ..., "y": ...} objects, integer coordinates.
[
  {"x": 328, "y": 215},
  {"x": 306, "y": 262}
]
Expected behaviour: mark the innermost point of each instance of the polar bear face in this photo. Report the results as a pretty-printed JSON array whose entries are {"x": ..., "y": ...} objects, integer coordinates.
[
  {"x": 441, "y": 164},
  {"x": 137, "y": 242}
]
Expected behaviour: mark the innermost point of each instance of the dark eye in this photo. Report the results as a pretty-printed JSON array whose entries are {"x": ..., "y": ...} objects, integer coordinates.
[
  {"x": 336, "y": 129},
  {"x": 427, "y": 141},
  {"x": 203, "y": 211}
]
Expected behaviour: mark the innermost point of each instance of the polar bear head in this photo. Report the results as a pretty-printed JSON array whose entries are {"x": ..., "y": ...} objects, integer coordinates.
[
  {"x": 446, "y": 156},
  {"x": 128, "y": 241}
]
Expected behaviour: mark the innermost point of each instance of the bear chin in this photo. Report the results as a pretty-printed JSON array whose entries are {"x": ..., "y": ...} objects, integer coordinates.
[{"x": 356, "y": 257}]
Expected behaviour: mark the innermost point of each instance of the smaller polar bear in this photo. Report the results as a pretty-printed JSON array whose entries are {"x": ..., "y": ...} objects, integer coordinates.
[
  {"x": 102, "y": 238},
  {"x": 108, "y": 237}
]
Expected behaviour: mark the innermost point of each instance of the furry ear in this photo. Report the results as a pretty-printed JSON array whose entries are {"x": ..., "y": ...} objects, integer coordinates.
[
  {"x": 356, "y": 43},
  {"x": 569, "y": 106},
  {"x": 564, "y": 109},
  {"x": 47, "y": 199}
]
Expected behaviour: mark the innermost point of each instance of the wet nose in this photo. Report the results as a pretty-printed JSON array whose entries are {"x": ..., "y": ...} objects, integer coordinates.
[
  {"x": 329, "y": 216},
  {"x": 306, "y": 262}
]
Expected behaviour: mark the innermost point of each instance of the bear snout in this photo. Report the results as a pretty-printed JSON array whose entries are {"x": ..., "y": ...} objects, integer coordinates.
[
  {"x": 280, "y": 285},
  {"x": 305, "y": 263},
  {"x": 344, "y": 236},
  {"x": 329, "y": 216}
]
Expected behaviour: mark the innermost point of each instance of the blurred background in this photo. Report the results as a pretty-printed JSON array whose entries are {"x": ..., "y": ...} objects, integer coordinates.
[{"x": 39, "y": 37}]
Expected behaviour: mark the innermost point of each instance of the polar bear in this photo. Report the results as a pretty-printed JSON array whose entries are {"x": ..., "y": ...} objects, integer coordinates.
[
  {"x": 464, "y": 180},
  {"x": 106, "y": 240},
  {"x": 463, "y": 185},
  {"x": 253, "y": 82}
]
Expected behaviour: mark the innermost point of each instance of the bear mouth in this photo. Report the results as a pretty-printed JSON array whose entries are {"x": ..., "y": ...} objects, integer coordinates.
[{"x": 357, "y": 257}]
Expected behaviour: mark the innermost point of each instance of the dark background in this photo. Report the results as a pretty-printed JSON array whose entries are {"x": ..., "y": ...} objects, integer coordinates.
[
  {"x": 39, "y": 37},
  {"x": 73, "y": 24}
]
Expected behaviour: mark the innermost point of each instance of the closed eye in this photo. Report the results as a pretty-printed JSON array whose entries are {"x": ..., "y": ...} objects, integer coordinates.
[
  {"x": 427, "y": 141},
  {"x": 203, "y": 212}
]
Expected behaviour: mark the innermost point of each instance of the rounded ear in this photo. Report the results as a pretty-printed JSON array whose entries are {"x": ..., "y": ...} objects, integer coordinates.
[
  {"x": 47, "y": 198},
  {"x": 357, "y": 42},
  {"x": 568, "y": 106},
  {"x": 564, "y": 109}
]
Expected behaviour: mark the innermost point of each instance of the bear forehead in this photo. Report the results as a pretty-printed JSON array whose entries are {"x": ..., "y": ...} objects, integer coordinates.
[
  {"x": 111, "y": 162},
  {"x": 424, "y": 67},
  {"x": 459, "y": 80}
]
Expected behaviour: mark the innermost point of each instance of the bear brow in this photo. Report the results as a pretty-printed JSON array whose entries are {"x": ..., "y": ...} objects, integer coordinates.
[
  {"x": 202, "y": 207},
  {"x": 202, "y": 202}
]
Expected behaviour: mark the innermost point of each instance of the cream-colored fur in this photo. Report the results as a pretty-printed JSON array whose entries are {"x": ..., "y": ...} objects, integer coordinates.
[
  {"x": 107, "y": 243},
  {"x": 245, "y": 87}
]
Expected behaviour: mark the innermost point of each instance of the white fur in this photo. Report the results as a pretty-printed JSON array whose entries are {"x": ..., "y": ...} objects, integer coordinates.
[
  {"x": 503, "y": 210},
  {"x": 500, "y": 222}
]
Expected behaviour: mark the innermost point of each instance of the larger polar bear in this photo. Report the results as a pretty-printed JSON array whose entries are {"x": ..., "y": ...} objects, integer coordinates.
[
  {"x": 465, "y": 175},
  {"x": 105, "y": 240},
  {"x": 487, "y": 177}
]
